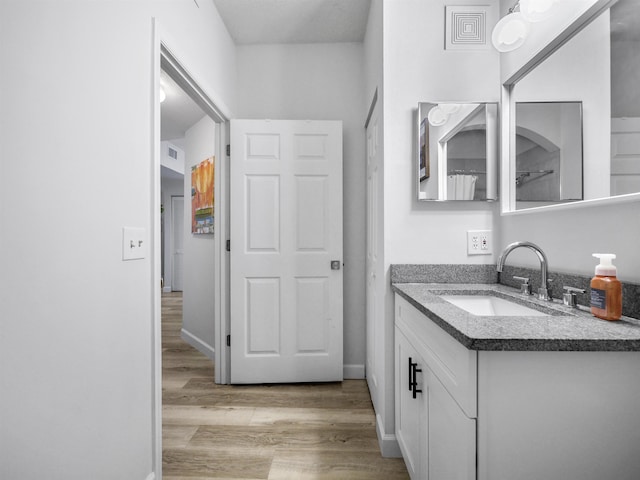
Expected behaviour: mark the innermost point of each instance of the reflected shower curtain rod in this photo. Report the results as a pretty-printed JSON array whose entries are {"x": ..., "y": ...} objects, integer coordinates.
[
  {"x": 470, "y": 172},
  {"x": 522, "y": 174},
  {"x": 534, "y": 171}
]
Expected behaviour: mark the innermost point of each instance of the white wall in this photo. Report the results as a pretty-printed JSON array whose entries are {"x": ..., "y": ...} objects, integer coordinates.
[
  {"x": 569, "y": 237},
  {"x": 373, "y": 47},
  {"x": 197, "y": 297},
  {"x": 320, "y": 82},
  {"x": 417, "y": 68},
  {"x": 75, "y": 349},
  {"x": 379, "y": 372},
  {"x": 625, "y": 74}
]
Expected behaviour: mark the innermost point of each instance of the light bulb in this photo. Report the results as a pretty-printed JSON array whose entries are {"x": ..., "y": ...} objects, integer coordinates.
[
  {"x": 437, "y": 116},
  {"x": 510, "y": 32},
  {"x": 449, "y": 108},
  {"x": 536, "y": 10}
]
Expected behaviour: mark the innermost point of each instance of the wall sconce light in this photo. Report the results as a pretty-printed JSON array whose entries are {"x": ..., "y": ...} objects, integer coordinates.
[
  {"x": 449, "y": 108},
  {"x": 163, "y": 95},
  {"x": 512, "y": 29},
  {"x": 439, "y": 115},
  {"x": 536, "y": 10}
]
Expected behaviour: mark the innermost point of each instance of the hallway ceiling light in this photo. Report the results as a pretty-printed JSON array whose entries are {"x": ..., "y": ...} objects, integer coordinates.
[{"x": 163, "y": 95}]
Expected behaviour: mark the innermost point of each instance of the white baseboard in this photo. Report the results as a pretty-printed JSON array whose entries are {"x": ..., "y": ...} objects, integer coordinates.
[
  {"x": 353, "y": 372},
  {"x": 389, "y": 446},
  {"x": 151, "y": 476},
  {"x": 166, "y": 289},
  {"x": 195, "y": 342}
]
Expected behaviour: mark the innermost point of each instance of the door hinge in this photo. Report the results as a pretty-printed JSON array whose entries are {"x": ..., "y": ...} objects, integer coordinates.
[
  {"x": 228, "y": 245},
  {"x": 228, "y": 150},
  {"x": 228, "y": 340}
]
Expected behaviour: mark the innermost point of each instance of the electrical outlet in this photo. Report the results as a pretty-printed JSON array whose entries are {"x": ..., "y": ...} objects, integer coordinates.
[{"x": 479, "y": 242}]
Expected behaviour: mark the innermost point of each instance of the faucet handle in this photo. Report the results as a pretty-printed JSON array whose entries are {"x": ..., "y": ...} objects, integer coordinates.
[
  {"x": 570, "y": 297},
  {"x": 525, "y": 288}
]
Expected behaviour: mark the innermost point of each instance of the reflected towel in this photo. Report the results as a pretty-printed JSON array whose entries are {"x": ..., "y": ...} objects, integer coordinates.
[{"x": 461, "y": 187}]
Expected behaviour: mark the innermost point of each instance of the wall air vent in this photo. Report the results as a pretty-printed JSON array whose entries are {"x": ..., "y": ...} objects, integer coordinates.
[
  {"x": 172, "y": 157},
  {"x": 466, "y": 28}
]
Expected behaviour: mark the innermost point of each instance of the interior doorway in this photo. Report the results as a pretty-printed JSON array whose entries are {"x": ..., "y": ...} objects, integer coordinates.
[{"x": 165, "y": 63}]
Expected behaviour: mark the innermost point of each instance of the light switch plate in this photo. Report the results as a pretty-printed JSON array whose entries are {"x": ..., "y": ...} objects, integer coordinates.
[{"x": 134, "y": 243}]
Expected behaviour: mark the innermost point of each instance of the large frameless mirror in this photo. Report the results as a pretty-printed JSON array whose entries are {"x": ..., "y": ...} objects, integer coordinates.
[
  {"x": 457, "y": 151},
  {"x": 594, "y": 65}
]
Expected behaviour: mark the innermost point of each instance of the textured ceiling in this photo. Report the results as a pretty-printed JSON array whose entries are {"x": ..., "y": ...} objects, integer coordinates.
[
  {"x": 253, "y": 22},
  {"x": 178, "y": 112},
  {"x": 294, "y": 21}
]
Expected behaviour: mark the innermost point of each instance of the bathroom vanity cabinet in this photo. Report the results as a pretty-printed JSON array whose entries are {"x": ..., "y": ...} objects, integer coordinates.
[
  {"x": 506, "y": 414},
  {"x": 436, "y": 436}
]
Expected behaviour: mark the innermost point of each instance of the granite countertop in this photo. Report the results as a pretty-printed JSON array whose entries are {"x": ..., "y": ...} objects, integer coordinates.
[{"x": 564, "y": 329}]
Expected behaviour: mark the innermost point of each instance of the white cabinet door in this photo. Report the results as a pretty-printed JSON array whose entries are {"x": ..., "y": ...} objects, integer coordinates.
[
  {"x": 411, "y": 428},
  {"x": 436, "y": 437},
  {"x": 286, "y": 251},
  {"x": 451, "y": 438}
]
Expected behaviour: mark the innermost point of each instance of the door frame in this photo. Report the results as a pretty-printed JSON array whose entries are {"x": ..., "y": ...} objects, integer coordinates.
[{"x": 166, "y": 56}]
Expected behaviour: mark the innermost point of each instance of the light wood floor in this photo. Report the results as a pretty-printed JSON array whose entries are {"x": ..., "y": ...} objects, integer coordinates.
[{"x": 302, "y": 431}]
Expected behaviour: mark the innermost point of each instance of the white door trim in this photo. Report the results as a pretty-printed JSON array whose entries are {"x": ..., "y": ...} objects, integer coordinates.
[{"x": 167, "y": 57}]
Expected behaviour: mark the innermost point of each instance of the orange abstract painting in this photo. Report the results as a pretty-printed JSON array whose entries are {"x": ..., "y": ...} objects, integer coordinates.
[{"x": 202, "y": 176}]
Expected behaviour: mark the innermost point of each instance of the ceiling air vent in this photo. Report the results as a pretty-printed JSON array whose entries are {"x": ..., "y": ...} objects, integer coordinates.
[
  {"x": 466, "y": 27},
  {"x": 173, "y": 153}
]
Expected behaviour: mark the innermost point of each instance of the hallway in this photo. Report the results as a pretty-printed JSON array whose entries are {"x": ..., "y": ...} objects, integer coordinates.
[{"x": 302, "y": 431}]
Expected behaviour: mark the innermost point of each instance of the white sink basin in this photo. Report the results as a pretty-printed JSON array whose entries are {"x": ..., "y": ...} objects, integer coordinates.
[{"x": 484, "y": 305}]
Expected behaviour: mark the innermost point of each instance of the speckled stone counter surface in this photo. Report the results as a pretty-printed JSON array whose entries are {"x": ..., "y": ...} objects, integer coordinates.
[
  {"x": 465, "y": 273},
  {"x": 564, "y": 329}
]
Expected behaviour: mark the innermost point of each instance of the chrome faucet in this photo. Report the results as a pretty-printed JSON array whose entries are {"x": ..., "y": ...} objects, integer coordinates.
[{"x": 543, "y": 291}]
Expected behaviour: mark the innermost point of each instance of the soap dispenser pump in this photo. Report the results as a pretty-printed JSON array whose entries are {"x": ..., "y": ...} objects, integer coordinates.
[{"x": 606, "y": 289}]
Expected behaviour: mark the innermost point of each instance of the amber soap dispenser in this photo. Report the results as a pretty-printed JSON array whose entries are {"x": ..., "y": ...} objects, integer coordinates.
[{"x": 606, "y": 289}]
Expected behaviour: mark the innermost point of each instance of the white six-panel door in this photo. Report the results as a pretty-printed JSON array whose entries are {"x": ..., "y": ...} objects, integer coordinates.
[
  {"x": 286, "y": 229},
  {"x": 625, "y": 155}
]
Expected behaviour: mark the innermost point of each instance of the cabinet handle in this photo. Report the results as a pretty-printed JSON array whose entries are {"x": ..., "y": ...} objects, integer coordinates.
[
  {"x": 413, "y": 382},
  {"x": 416, "y": 390}
]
